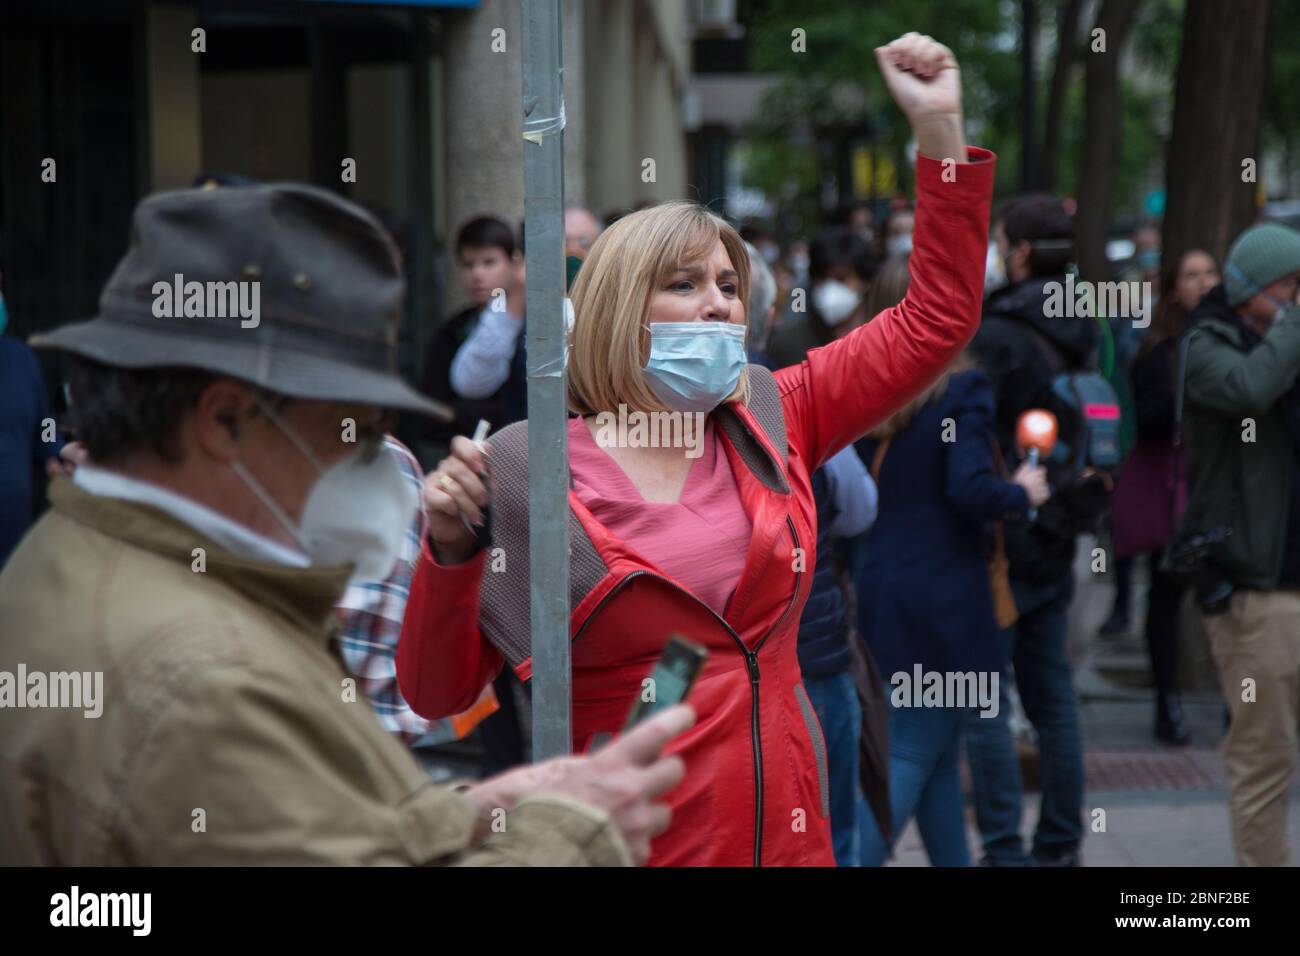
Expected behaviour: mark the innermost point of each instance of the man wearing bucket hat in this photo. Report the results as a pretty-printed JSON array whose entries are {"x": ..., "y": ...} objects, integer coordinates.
[
  {"x": 169, "y": 621},
  {"x": 1241, "y": 425}
]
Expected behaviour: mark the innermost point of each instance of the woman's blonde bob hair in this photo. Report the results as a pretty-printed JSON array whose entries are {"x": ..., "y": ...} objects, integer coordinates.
[{"x": 611, "y": 296}]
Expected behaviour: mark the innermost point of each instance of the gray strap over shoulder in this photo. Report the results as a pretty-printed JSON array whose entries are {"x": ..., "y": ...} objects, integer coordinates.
[
  {"x": 504, "y": 604},
  {"x": 765, "y": 405}
]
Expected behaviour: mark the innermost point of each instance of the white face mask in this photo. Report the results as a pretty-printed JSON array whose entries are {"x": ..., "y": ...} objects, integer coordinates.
[
  {"x": 835, "y": 301},
  {"x": 899, "y": 245},
  {"x": 995, "y": 270},
  {"x": 357, "y": 512},
  {"x": 1279, "y": 311}
]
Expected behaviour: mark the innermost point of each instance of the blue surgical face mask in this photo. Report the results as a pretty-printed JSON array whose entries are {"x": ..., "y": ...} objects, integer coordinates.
[
  {"x": 4, "y": 314},
  {"x": 694, "y": 366}
]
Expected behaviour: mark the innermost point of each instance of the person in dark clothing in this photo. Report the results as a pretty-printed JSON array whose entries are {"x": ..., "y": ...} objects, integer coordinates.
[
  {"x": 25, "y": 424},
  {"x": 492, "y": 361},
  {"x": 923, "y": 583},
  {"x": 841, "y": 266},
  {"x": 1151, "y": 484},
  {"x": 924, "y": 598},
  {"x": 489, "y": 260},
  {"x": 1128, "y": 337},
  {"x": 1022, "y": 349},
  {"x": 846, "y": 505}
]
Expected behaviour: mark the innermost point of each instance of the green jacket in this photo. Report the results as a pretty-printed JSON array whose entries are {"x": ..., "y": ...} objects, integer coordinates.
[
  {"x": 226, "y": 733},
  {"x": 1232, "y": 480}
]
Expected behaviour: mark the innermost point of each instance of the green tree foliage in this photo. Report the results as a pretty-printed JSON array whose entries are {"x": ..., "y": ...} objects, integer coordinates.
[
  {"x": 831, "y": 96},
  {"x": 1282, "y": 99},
  {"x": 834, "y": 89}
]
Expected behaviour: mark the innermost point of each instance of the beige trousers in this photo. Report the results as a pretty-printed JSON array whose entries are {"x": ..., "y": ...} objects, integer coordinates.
[{"x": 1256, "y": 646}]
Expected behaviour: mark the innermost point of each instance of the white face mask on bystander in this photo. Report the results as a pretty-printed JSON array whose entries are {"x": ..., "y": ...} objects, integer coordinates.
[
  {"x": 835, "y": 301},
  {"x": 357, "y": 512}
]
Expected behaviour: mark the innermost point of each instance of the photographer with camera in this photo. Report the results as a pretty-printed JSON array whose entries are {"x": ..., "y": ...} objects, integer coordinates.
[{"x": 1239, "y": 540}]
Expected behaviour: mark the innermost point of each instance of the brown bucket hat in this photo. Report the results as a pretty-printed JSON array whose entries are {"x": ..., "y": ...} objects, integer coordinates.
[{"x": 321, "y": 289}]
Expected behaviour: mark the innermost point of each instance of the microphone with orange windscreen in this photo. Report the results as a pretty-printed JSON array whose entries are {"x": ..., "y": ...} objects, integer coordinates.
[{"x": 1036, "y": 435}]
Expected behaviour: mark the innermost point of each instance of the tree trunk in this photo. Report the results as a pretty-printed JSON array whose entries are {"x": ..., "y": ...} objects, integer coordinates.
[
  {"x": 1103, "y": 112},
  {"x": 1067, "y": 30},
  {"x": 1218, "y": 109},
  {"x": 1028, "y": 97}
]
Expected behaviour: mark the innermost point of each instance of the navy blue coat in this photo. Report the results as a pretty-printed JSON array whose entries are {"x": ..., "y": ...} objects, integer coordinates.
[
  {"x": 922, "y": 573},
  {"x": 23, "y": 409},
  {"x": 823, "y": 646}
]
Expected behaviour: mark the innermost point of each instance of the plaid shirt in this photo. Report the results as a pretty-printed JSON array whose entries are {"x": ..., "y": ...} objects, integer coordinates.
[{"x": 371, "y": 617}]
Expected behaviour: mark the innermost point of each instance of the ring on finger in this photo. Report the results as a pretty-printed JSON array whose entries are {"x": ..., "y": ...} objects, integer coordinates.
[{"x": 446, "y": 482}]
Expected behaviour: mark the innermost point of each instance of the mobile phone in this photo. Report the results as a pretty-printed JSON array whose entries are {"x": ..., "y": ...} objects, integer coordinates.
[{"x": 671, "y": 680}]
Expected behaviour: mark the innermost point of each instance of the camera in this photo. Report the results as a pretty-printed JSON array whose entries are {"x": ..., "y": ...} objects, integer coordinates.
[{"x": 1195, "y": 560}]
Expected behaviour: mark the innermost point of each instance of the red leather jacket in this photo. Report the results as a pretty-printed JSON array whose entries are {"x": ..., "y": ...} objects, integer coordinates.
[{"x": 755, "y": 790}]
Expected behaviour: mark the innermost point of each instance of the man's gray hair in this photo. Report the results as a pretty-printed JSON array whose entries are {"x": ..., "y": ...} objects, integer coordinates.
[{"x": 762, "y": 293}]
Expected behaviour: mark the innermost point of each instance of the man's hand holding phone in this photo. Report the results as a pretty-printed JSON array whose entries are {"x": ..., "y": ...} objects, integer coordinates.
[{"x": 623, "y": 779}]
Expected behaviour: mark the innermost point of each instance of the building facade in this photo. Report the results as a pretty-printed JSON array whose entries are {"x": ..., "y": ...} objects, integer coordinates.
[{"x": 413, "y": 109}]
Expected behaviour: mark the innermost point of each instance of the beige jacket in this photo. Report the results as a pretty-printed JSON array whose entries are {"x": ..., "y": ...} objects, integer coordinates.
[{"x": 229, "y": 732}]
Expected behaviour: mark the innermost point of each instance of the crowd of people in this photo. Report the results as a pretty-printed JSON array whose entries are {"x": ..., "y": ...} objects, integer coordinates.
[{"x": 292, "y": 611}]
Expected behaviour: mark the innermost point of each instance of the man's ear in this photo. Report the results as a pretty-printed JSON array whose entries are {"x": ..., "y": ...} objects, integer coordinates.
[{"x": 221, "y": 413}]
